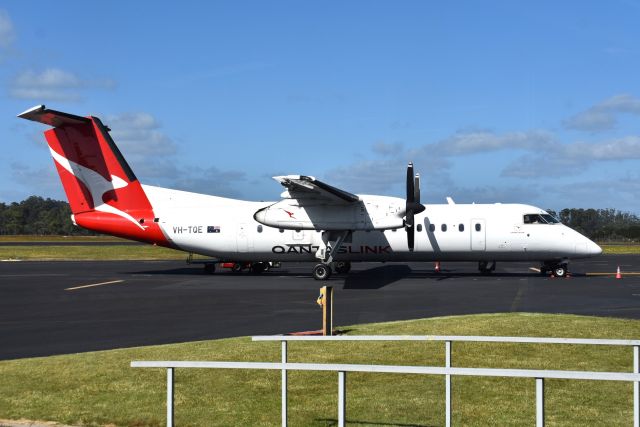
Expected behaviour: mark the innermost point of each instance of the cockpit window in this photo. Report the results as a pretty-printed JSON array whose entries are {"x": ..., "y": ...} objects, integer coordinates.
[{"x": 539, "y": 219}]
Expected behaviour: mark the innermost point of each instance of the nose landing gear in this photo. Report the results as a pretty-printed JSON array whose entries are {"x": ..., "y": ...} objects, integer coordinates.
[{"x": 556, "y": 269}]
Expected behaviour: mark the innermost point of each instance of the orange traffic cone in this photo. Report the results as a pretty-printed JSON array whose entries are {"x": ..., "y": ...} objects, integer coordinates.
[
  {"x": 437, "y": 267},
  {"x": 618, "y": 274}
]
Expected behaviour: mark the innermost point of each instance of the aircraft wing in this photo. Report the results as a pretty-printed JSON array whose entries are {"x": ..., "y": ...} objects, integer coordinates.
[{"x": 307, "y": 187}]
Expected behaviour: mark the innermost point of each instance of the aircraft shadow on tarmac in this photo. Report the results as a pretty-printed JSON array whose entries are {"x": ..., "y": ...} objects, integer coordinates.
[{"x": 372, "y": 278}]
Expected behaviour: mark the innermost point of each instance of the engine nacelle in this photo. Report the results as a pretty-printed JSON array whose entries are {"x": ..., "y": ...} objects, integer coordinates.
[{"x": 377, "y": 213}]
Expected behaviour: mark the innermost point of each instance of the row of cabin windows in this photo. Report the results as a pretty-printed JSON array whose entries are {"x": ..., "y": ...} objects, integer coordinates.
[
  {"x": 432, "y": 228},
  {"x": 443, "y": 227}
]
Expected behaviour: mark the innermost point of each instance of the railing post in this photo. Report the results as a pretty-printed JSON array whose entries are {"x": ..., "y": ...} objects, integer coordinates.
[
  {"x": 169, "y": 397},
  {"x": 342, "y": 398},
  {"x": 636, "y": 387},
  {"x": 539, "y": 402},
  {"x": 284, "y": 385},
  {"x": 447, "y": 385}
]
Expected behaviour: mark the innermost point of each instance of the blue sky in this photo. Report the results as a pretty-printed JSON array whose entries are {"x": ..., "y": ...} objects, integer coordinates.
[{"x": 533, "y": 102}]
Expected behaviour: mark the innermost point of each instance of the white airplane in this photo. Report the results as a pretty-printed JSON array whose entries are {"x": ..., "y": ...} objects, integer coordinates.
[{"x": 313, "y": 222}]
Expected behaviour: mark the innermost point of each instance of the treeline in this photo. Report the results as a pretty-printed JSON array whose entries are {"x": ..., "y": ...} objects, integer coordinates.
[
  {"x": 601, "y": 224},
  {"x": 39, "y": 216}
]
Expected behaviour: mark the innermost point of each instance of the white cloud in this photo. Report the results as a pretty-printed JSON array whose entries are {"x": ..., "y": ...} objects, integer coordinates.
[
  {"x": 481, "y": 141},
  {"x": 42, "y": 180},
  {"x": 604, "y": 115},
  {"x": 152, "y": 155},
  {"x": 572, "y": 159},
  {"x": 53, "y": 84},
  {"x": 7, "y": 33},
  {"x": 139, "y": 134}
]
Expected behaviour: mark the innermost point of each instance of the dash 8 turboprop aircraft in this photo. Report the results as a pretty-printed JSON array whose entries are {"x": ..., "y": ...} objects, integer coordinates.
[{"x": 313, "y": 221}]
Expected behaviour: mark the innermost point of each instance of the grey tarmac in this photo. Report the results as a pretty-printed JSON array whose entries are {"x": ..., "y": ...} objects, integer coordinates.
[{"x": 49, "y": 308}]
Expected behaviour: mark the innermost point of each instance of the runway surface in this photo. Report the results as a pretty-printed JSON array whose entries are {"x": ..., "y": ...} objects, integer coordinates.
[{"x": 142, "y": 303}]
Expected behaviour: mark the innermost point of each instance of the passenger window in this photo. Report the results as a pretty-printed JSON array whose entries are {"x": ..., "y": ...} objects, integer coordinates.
[
  {"x": 461, "y": 227},
  {"x": 444, "y": 227},
  {"x": 478, "y": 227},
  {"x": 432, "y": 227},
  {"x": 260, "y": 228},
  {"x": 419, "y": 227}
]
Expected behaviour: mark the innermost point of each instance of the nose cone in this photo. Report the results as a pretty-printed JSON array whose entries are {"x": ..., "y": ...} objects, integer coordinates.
[
  {"x": 594, "y": 249},
  {"x": 587, "y": 248}
]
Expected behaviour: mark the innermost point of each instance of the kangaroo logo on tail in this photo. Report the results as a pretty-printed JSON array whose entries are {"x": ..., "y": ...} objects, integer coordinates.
[{"x": 96, "y": 184}]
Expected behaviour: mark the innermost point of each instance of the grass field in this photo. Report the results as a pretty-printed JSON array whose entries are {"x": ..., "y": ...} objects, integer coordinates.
[
  {"x": 100, "y": 388},
  {"x": 86, "y": 252}
]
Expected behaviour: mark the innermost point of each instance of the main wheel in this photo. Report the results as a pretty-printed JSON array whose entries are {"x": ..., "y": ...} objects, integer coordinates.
[
  {"x": 258, "y": 267},
  {"x": 321, "y": 272},
  {"x": 237, "y": 267},
  {"x": 342, "y": 267},
  {"x": 486, "y": 267},
  {"x": 209, "y": 268}
]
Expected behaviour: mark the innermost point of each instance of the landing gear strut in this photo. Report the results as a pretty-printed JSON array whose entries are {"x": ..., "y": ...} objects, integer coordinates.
[{"x": 331, "y": 242}]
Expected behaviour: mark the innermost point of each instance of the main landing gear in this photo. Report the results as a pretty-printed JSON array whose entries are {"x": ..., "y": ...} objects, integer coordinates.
[
  {"x": 557, "y": 269},
  {"x": 486, "y": 267},
  {"x": 323, "y": 271}
]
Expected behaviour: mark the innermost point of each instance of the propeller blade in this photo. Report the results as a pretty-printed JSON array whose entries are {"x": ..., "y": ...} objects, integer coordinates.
[
  {"x": 411, "y": 238},
  {"x": 413, "y": 205},
  {"x": 410, "y": 186}
]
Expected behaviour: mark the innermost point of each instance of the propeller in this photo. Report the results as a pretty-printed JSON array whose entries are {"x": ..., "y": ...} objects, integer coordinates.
[{"x": 413, "y": 205}]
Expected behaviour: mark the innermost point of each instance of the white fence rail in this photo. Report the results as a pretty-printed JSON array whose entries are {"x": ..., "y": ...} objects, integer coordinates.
[{"x": 447, "y": 371}]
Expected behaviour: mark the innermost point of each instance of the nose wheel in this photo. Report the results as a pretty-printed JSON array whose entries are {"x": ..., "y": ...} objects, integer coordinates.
[{"x": 556, "y": 270}]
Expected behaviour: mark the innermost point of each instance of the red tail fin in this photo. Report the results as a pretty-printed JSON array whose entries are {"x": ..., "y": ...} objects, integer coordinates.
[{"x": 102, "y": 190}]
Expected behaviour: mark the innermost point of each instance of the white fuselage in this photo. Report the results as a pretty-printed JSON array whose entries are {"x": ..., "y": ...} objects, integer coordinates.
[{"x": 226, "y": 229}]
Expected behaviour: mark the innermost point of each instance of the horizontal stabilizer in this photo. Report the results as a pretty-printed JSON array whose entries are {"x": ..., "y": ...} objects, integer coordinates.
[{"x": 51, "y": 117}]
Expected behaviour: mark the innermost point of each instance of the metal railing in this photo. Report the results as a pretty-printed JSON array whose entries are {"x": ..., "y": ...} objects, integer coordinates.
[{"x": 447, "y": 371}]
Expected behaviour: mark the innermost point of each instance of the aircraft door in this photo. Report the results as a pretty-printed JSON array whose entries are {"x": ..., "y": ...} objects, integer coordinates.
[
  {"x": 478, "y": 235},
  {"x": 243, "y": 239}
]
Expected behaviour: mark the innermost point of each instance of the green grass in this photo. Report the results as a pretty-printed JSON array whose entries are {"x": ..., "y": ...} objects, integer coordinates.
[
  {"x": 620, "y": 249},
  {"x": 87, "y": 252},
  {"x": 100, "y": 388},
  {"x": 32, "y": 238}
]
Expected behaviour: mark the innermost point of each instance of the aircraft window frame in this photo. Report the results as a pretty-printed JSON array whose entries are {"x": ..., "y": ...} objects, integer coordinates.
[
  {"x": 478, "y": 226},
  {"x": 443, "y": 227},
  {"x": 538, "y": 218},
  {"x": 419, "y": 228},
  {"x": 259, "y": 228},
  {"x": 461, "y": 227},
  {"x": 432, "y": 227}
]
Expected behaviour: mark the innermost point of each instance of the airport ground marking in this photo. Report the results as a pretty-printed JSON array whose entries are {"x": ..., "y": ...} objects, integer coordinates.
[
  {"x": 94, "y": 284},
  {"x": 624, "y": 273}
]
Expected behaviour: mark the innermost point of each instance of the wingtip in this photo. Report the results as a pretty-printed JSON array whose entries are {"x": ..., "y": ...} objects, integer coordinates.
[{"x": 32, "y": 110}]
